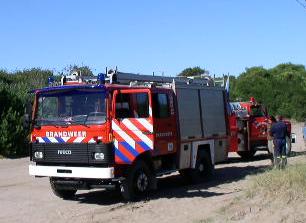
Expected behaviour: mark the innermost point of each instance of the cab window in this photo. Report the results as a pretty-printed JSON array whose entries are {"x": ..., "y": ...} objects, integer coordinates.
[
  {"x": 132, "y": 105},
  {"x": 161, "y": 105}
]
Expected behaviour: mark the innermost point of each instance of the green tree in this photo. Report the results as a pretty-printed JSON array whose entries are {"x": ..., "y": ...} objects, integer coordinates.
[
  {"x": 195, "y": 71},
  {"x": 83, "y": 70},
  {"x": 282, "y": 89}
]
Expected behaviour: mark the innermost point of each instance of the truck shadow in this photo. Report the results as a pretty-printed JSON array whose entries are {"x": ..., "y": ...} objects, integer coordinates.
[
  {"x": 258, "y": 156},
  {"x": 175, "y": 186},
  {"x": 299, "y": 153}
]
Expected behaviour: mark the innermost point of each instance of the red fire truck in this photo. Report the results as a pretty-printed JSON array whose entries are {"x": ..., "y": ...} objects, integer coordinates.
[
  {"x": 248, "y": 125},
  {"x": 124, "y": 130}
]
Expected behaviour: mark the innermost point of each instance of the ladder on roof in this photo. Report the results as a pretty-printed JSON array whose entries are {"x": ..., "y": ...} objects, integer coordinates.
[
  {"x": 130, "y": 78},
  {"x": 115, "y": 77}
]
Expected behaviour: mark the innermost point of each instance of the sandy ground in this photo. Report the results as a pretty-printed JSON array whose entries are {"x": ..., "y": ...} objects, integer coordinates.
[{"x": 26, "y": 199}]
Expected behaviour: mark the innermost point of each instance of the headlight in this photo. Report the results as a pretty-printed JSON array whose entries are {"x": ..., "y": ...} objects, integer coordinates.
[
  {"x": 39, "y": 155},
  {"x": 99, "y": 156}
]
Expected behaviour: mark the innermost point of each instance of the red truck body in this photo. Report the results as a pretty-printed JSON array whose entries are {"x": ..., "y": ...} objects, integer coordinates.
[
  {"x": 112, "y": 134},
  {"x": 249, "y": 123}
]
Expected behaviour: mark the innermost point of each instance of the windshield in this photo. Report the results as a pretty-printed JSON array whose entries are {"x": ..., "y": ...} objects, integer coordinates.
[
  {"x": 71, "y": 108},
  {"x": 257, "y": 111}
]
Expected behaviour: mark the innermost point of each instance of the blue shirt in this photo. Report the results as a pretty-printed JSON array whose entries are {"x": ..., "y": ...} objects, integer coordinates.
[{"x": 279, "y": 130}]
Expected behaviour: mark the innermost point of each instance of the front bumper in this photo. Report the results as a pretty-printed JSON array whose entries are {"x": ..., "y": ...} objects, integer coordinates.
[{"x": 72, "y": 172}]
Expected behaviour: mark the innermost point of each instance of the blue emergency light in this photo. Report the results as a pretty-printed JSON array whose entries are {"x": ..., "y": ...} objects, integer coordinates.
[
  {"x": 101, "y": 78},
  {"x": 50, "y": 80}
]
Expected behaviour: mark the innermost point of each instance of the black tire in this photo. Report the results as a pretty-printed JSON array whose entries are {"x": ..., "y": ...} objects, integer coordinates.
[
  {"x": 246, "y": 155},
  {"x": 288, "y": 146},
  {"x": 203, "y": 171},
  {"x": 64, "y": 194},
  {"x": 138, "y": 182}
]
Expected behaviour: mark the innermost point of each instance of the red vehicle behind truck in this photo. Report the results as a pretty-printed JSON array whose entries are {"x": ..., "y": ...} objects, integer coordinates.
[
  {"x": 249, "y": 123},
  {"x": 123, "y": 130}
]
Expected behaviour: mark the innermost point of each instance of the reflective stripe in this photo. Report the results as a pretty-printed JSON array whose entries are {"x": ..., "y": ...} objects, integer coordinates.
[
  {"x": 116, "y": 144},
  {"x": 47, "y": 140},
  {"x": 144, "y": 146},
  {"x": 91, "y": 141},
  {"x": 40, "y": 139},
  {"x": 119, "y": 156},
  {"x": 138, "y": 133},
  {"x": 60, "y": 140},
  {"x": 66, "y": 139},
  {"x": 129, "y": 148},
  {"x": 145, "y": 124},
  {"x": 123, "y": 135},
  {"x": 78, "y": 139}
]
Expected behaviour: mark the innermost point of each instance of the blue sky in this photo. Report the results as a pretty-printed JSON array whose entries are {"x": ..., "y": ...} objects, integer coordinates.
[{"x": 223, "y": 36}]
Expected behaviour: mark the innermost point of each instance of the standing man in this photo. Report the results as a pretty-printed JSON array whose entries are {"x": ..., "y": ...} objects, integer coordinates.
[
  {"x": 279, "y": 132},
  {"x": 271, "y": 147}
]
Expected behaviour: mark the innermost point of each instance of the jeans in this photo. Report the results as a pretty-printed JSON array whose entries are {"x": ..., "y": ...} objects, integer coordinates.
[{"x": 280, "y": 147}]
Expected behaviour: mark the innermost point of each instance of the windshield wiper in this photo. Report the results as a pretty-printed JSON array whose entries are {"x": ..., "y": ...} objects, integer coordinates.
[
  {"x": 79, "y": 122},
  {"x": 61, "y": 123}
]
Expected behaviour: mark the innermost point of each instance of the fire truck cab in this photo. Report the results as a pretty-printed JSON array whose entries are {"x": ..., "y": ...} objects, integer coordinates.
[{"x": 124, "y": 130}]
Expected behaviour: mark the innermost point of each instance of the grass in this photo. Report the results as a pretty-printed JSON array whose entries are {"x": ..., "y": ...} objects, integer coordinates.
[
  {"x": 266, "y": 192},
  {"x": 288, "y": 184}
]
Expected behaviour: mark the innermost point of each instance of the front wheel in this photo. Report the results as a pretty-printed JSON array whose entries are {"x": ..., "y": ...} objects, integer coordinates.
[
  {"x": 288, "y": 146},
  {"x": 138, "y": 182},
  {"x": 62, "y": 193}
]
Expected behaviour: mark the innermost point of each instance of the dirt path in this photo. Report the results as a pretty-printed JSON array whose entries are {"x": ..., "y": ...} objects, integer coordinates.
[{"x": 25, "y": 199}]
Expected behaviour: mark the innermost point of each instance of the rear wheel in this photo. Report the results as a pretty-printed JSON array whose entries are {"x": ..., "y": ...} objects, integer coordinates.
[
  {"x": 203, "y": 170},
  {"x": 62, "y": 193},
  {"x": 138, "y": 182}
]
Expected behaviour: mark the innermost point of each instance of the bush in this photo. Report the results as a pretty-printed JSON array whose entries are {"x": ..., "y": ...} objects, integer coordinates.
[
  {"x": 13, "y": 135},
  {"x": 14, "y": 98}
]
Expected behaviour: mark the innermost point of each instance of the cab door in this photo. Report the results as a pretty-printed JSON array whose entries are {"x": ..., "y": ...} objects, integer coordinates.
[
  {"x": 164, "y": 118},
  {"x": 132, "y": 124}
]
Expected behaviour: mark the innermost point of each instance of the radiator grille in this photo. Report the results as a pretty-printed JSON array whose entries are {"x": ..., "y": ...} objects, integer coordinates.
[{"x": 73, "y": 153}]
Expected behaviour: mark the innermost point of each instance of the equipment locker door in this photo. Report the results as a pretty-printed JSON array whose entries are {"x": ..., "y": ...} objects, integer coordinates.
[
  {"x": 165, "y": 128},
  {"x": 132, "y": 124}
]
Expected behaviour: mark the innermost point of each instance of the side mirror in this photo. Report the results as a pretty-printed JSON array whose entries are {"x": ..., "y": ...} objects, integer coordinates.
[
  {"x": 26, "y": 121},
  {"x": 27, "y": 115},
  {"x": 293, "y": 137}
]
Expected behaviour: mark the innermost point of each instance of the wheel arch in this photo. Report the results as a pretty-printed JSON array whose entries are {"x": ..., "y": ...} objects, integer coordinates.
[
  {"x": 147, "y": 158},
  {"x": 207, "y": 145}
]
